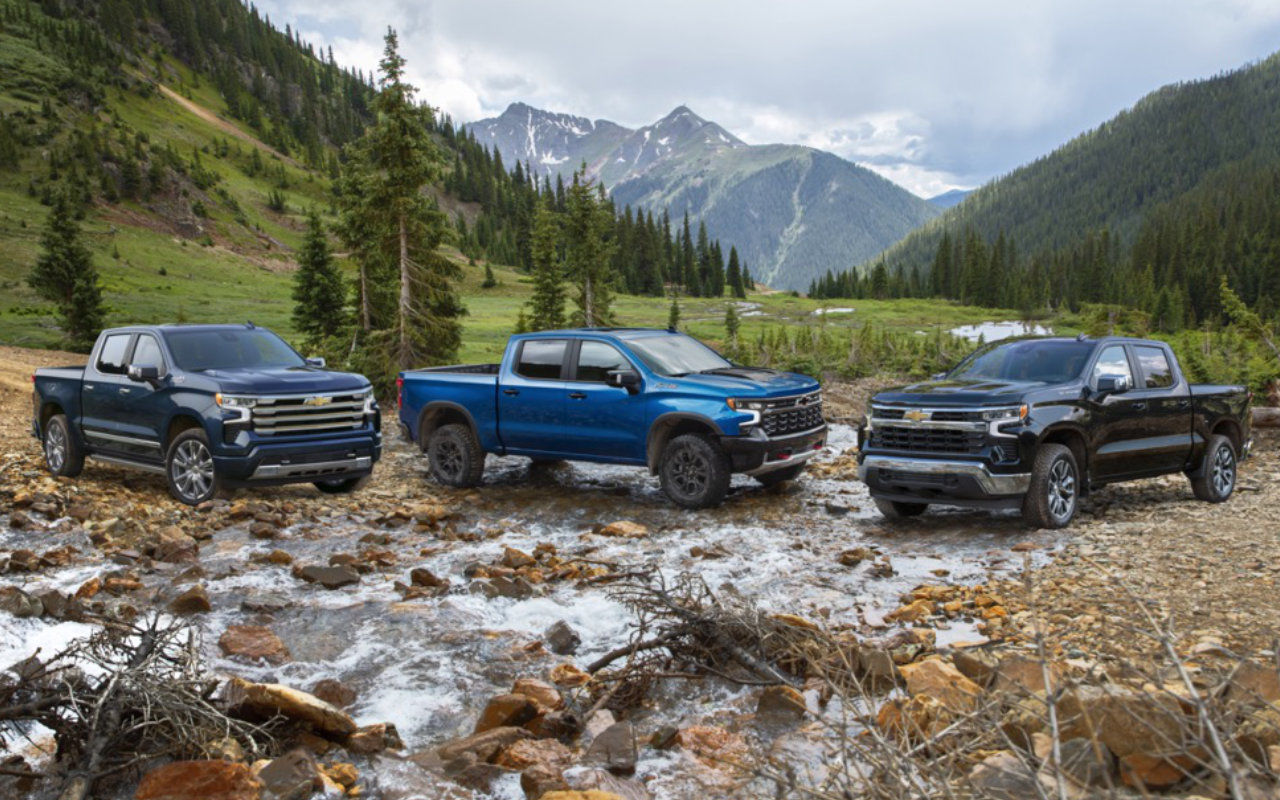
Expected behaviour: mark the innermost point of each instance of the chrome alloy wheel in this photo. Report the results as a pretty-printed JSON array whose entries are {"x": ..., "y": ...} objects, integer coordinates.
[
  {"x": 55, "y": 447},
  {"x": 192, "y": 469},
  {"x": 1062, "y": 489},
  {"x": 1223, "y": 473}
]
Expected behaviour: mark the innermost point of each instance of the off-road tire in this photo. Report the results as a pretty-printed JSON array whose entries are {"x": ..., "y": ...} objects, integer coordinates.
[
  {"x": 695, "y": 471},
  {"x": 1215, "y": 481},
  {"x": 62, "y": 453},
  {"x": 780, "y": 476},
  {"x": 189, "y": 469},
  {"x": 455, "y": 456},
  {"x": 894, "y": 509},
  {"x": 343, "y": 485},
  {"x": 1054, "y": 494}
]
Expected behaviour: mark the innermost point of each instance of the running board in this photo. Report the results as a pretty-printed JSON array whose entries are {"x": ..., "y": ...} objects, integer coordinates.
[{"x": 158, "y": 469}]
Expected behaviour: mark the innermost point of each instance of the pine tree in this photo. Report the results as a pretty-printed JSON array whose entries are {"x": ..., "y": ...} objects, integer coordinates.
[
  {"x": 547, "y": 303},
  {"x": 393, "y": 230},
  {"x": 490, "y": 280},
  {"x": 319, "y": 295},
  {"x": 673, "y": 315},
  {"x": 65, "y": 275},
  {"x": 731, "y": 328},
  {"x": 734, "y": 276},
  {"x": 588, "y": 219}
]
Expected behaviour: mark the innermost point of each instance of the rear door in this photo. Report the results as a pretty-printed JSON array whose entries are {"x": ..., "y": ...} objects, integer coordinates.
[
  {"x": 1162, "y": 407},
  {"x": 604, "y": 421},
  {"x": 532, "y": 395}
]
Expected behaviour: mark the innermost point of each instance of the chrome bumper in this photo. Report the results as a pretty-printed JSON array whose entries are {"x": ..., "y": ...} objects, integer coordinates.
[
  {"x": 991, "y": 483},
  {"x": 319, "y": 468}
]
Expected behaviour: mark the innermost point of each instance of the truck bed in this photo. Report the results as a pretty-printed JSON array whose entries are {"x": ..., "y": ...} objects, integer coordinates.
[{"x": 465, "y": 369}]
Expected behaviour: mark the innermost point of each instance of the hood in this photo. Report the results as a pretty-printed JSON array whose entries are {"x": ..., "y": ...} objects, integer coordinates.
[
  {"x": 751, "y": 382},
  {"x": 284, "y": 380},
  {"x": 958, "y": 393}
]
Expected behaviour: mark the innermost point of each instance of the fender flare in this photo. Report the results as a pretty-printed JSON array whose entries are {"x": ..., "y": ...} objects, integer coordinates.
[
  {"x": 434, "y": 408},
  {"x": 659, "y": 433}
]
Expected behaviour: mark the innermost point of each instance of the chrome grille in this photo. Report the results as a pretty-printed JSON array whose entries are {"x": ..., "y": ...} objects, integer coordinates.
[{"x": 280, "y": 416}]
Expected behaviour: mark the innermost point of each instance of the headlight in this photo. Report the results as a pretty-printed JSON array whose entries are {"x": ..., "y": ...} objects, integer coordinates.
[
  {"x": 747, "y": 405},
  {"x": 370, "y": 404},
  {"x": 235, "y": 401},
  {"x": 1005, "y": 414}
]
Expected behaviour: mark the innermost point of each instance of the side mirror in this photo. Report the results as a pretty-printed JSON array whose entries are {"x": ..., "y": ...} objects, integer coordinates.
[
  {"x": 937, "y": 376},
  {"x": 625, "y": 379},
  {"x": 141, "y": 374},
  {"x": 315, "y": 361},
  {"x": 1113, "y": 384}
]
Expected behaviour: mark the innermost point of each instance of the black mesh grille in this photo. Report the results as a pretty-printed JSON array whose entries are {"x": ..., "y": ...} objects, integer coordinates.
[
  {"x": 795, "y": 420},
  {"x": 927, "y": 440}
]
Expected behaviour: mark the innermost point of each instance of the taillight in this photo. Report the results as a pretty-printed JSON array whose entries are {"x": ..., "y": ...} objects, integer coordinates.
[{"x": 399, "y": 393}]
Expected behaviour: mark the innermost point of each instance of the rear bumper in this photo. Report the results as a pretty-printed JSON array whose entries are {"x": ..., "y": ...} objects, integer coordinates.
[
  {"x": 932, "y": 480},
  {"x": 299, "y": 462},
  {"x": 756, "y": 453}
]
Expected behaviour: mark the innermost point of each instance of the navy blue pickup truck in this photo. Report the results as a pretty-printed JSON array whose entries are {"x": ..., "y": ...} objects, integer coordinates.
[
  {"x": 208, "y": 406},
  {"x": 650, "y": 398},
  {"x": 1034, "y": 424}
]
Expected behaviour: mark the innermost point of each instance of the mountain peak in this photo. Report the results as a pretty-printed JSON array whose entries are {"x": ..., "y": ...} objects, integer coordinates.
[{"x": 681, "y": 111}]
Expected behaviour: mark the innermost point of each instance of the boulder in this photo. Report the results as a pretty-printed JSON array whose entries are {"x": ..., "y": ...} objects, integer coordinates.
[
  {"x": 513, "y": 558},
  {"x": 1088, "y": 763},
  {"x": 292, "y": 776},
  {"x": 269, "y": 699},
  {"x": 1005, "y": 776},
  {"x": 943, "y": 682},
  {"x": 1144, "y": 772},
  {"x": 614, "y": 749},
  {"x": 329, "y": 577},
  {"x": 20, "y": 604},
  {"x": 978, "y": 664},
  {"x": 263, "y": 530},
  {"x": 780, "y": 705},
  {"x": 1126, "y": 721},
  {"x": 540, "y": 762},
  {"x": 916, "y": 611},
  {"x": 713, "y": 745},
  {"x": 593, "y": 784},
  {"x": 343, "y": 774},
  {"x": 198, "y": 780},
  {"x": 574, "y": 794},
  {"x": 193, "y": 601},
  {"x": 544, "y": 694},
  {"x": 1023, "y": 673},
  {"x": 506, "y": 710},
  {"x": 334, "y": 692},
  {"x": 561, "y": 638},
  {"x": 253, "y": 643},
  {"x": 421, "y": 576},
  {"x": 370, "y": 739},
  {"x": 623, "y": 529},
  {"x": 1255, "y": 682},
  {"x": 568, "y": 676},
  {"x": 173, "y": 546},
  {"x": 482, "y": 746}
]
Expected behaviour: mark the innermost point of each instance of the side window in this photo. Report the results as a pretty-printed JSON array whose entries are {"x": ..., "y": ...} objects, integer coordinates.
[
  {"x": 1155, "y": 367},
  {"x": 541, "y": 359},
  {"x": 146, "y": 353},
  {"x": 1113, "y": 363},
  {"x": 597, "y": 359},
  {"x": 111, "y": 357}
]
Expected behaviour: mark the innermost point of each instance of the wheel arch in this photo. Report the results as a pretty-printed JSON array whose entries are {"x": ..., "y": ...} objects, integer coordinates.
[
  {"x": 1231, "y": 429},
  {"x": 673, "y": 424},
  {"x": 439, "y": 413},
  {"x": 48, "y": 410},
  {"x": 1075, "y": 440},
  {"x": 179, "y": 424}
]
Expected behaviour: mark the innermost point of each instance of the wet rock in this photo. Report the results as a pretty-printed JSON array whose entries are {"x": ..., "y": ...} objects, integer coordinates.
[
  {"x": 124, "y": 584},
  {"x": 599, "y": 784},
  {"x": 554, "y": 725},
  {"x": 292, "y": 776},
  {"x": 597, "y": 724},
  {"x": 193, "y": 601},
  {"x": 561, "y": 638},
  {"x": 23, "y": 561},
  {"x": 513, "y": 558},
  {"x": 376, "y": 738},
  {"x": 541, "y": 763},
  {"x": 343, "y": 774},
  {"x": 80, "y": 512},
  {"x": 780, "y": 705},
  {"x": 334, "y": 692},
  {"x": 1004, "y": 776},
  {"x": 259, "y": 602},
  {"x": 277, "y": 557},
  {"x": 506, "y": 710},
  {"x": 614, "y": 749},
  {"x": 329, "y": 577},
  {"x": 713, "y": 745},
  {"x": 198, "y": 780},
  {"x": 20, "y": 521},
  {"x": 481, "y": 746},
  {"x": 253, "y": 643},
  {"x": 173, "y": 546},
  {"x": 89, "y": 588},
  {"x": 60, "y": 606},
  {"x": 544, "y": 694},
  {"x": 421, "y": 576},
  {"x": 263, "y": 530},
  {"x": 516, "y": 588},
  {"x": 623, "y": 529},
  {"x": 978, "y": 664},
  {"x": 916, "y": 611},
  {"x": 269, "y": 699},
  {"x": 943, "y": 682},
  {"x": 854, "y": 557},
  {"x": 18, "y": 603}
]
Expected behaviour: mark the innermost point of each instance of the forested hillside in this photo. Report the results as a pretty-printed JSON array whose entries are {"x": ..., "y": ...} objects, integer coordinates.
[{"x": 1149, "y": 211}]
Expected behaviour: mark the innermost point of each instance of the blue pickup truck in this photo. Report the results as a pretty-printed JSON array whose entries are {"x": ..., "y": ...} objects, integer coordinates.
[
  {"x": 208, "y": 406},
  {"x": 652, "y": 398}
]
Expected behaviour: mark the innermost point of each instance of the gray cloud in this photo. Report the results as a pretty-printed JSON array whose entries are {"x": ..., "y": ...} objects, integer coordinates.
[{"x": 931, "y": 93}]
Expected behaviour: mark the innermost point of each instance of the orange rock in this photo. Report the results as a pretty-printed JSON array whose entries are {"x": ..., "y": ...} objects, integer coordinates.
[
  {"x": 268, "y": 700},
  {"x": 713, "y": 745},
  {"x": 1142, "y": 771},
  {"x": 794, "y": 621},
  {"x": 624, "y": 529},
  {"x": 199, "y": 780},
  {"x": 540, "y": 692},
  {"x": 526, "y": 753},
  {"x": 568, "y": 675},
  {"x": 943, "y": 682},
  {"x": 89, "y": 588},
  {"x": 253, "y": 643},
  {"x": 343, "y": 774},
  {"x": 915, "y": 611},
  {"x": 506, "y": 710}
]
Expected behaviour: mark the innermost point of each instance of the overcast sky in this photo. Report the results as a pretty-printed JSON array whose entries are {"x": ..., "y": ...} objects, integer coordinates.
[{"x": 934, "y": 95}]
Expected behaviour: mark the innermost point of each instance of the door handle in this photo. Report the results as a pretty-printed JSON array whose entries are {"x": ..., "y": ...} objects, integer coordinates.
[
  {"x": 511, "y": 392},
  {"x": 124, "y": 390},
  {"x": 577, "y": 395},
  {"x": 1184, "y": 403},
  {"x": 88, "y": 386},
  {"x": 1140, "y": 405}
]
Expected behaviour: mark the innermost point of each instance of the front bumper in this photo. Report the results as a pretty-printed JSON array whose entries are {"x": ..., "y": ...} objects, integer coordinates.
[
  {"x": 299, "y": 462},
  {"x": 756, "y": 453},
  {"x": 931, "y": 480}
]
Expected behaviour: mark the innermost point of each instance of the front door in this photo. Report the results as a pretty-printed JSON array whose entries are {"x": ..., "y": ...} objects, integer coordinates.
[
  {"x": 146, "y": 408},
  {"x": 1164, "y": 400},
  {"x": 532, "y": 398},
  {"x": 105, "y": 402},
  {"x": 605, "y": 421},
  {"x": 1113, "y": 415}
]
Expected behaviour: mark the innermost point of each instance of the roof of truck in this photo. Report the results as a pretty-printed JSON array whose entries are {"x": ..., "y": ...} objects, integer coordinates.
[{"x": 621, "y": 333}]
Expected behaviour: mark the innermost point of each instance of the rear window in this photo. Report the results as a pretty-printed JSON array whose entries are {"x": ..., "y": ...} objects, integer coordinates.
[
  {"x": 1155, "y": 367},
  {"x": 541, "y": 359},
  {"x": 111, "y": 357}
]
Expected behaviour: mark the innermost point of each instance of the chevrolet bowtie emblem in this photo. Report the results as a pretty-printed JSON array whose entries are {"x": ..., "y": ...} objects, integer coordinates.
[
  {"x": 916, "y": 416},
  {"x": 317, "y": 401}
]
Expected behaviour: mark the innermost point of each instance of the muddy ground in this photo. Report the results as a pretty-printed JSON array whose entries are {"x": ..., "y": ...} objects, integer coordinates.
[{"x": 429, "y": 661}]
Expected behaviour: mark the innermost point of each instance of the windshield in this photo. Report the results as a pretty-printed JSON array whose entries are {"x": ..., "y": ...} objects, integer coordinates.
[
  {"x": 1030, "y": 360},
  {"x": 674, "y": 356},
  {"x": 252, "y": 348}
]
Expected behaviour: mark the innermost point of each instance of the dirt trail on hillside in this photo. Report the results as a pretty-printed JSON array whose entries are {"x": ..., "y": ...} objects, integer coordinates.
[{"x": 221, "y": 124}]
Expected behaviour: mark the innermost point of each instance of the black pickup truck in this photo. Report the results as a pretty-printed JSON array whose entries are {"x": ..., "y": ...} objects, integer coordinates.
[{"x": 1034, "y": 423}]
